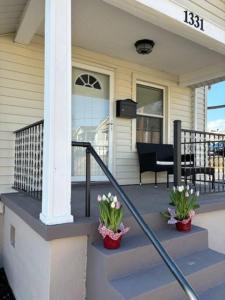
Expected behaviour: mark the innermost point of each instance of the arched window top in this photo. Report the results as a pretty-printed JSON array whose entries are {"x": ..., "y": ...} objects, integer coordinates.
[{"x": 88, "y": 80}]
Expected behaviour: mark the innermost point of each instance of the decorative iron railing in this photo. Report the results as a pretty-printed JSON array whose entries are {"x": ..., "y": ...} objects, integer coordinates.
[
  {"x": 203, "y": 163},
  {"x": 29, "y": 159}
]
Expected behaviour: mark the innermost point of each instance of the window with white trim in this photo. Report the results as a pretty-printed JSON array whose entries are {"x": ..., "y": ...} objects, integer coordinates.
[{"x": 150, "y": 114}]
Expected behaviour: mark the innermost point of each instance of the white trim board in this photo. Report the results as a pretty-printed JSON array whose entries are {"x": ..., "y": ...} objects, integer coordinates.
[{"x": 31, "y": 20}]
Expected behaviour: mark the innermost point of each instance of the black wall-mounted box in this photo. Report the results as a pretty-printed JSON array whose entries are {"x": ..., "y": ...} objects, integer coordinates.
[{"x": 126, "y": 109}]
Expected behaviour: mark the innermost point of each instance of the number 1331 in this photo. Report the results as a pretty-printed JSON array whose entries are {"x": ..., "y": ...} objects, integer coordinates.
[{"x": 193, "y": 20}]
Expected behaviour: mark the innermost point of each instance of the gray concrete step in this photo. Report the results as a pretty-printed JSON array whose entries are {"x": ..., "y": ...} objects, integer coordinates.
[
  {"x": 154, "y": 220},
  {"x": 216, "y": 293},
  {"x": 204, "y": 270},
  {"x": 137, "y": 252}
]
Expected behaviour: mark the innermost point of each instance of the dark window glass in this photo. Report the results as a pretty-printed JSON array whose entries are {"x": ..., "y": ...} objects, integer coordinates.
[
  {"x": 92, "y": 80},
  {"x": 79, "y": 81},
  {"x": 97, "y": 85},
  {"x": 149, "y": 127},
  {"x": 85, "y": 78},
  {"x": 88, "y": 81}
]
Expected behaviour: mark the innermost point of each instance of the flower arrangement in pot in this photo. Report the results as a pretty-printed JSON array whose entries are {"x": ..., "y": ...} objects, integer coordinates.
[
  {"x": 184, "y": 202},
  {"x": 111, "y": 227}
]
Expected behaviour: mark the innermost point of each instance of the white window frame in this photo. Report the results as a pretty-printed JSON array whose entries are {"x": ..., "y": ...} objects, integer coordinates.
[{"x": 134, "y": 121}]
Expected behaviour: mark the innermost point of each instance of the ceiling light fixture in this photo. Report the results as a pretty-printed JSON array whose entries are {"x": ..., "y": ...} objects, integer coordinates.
[{"x": 144, "y": 46}]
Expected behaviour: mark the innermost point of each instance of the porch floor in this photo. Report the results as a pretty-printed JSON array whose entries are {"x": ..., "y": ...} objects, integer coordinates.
[{"x": 146, "y": 198}]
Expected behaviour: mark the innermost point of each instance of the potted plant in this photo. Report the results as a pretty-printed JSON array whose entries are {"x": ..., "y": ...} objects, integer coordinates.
[
  {"x": 111, "y": 227},
  {"x": 184, "y": 202}
]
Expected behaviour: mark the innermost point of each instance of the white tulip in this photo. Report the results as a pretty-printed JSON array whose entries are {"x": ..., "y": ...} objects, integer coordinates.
[
  {"x": 180, "y": 188},
  {"x": 104, "y": 198},
  {"x": 109, "y": 195},
  {"x": 186, "y": 194},
  {"x": 113, "y": 204},
  {"x": 99, "y": 198},
  {"x": 115, "y": 199},
  {"x": 197, "y": 193},
  {"x": 188, "y": 187},
  {"x": 191, "y": 191}
]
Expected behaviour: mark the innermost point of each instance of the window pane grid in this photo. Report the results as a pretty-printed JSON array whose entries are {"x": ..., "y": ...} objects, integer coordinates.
[
  {"x": 149, "y": 129},
  {"x": 150, "y": 117}
]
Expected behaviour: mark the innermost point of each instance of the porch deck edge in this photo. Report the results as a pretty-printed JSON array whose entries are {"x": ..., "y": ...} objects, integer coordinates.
[
  {"x": 80, "y": 227},
  {"x": 28, "y": 210}
]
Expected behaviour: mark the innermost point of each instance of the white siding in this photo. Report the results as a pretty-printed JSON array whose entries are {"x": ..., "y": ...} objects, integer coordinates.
[
  {"x": 21, "y": 97},
  {"x": 21, "y": 102}
]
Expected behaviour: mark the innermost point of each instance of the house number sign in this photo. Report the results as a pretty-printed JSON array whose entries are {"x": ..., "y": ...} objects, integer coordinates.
[{"x": 193, "y": 20}]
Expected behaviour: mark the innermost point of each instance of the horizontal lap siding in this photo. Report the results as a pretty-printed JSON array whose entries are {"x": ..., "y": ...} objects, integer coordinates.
[
  {"x": 181, "y": 108},
  {"x": 21, "y": 97},
  {"x": 21, "y": 102}
]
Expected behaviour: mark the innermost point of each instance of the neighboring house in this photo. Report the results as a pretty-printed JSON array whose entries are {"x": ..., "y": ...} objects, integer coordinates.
[{"x": 96, "y": 54}]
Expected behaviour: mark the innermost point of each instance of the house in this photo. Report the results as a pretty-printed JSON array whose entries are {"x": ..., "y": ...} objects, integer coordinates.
[{"x": 48, "y": 250}]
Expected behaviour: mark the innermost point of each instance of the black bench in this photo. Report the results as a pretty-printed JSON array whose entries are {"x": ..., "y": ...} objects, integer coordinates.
[
  {"x": 159, "y": 158},
  {"x": 155, "y": 158}
]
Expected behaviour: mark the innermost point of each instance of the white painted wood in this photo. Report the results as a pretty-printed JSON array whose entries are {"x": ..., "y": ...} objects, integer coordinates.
[
  {"x": 170, "y": 16},
  {"x": 204, "y": 76},
  {"x": 33, "y": 15},
  {"x": 56, "y": 202},
  {"x": 195, "y": 99}
]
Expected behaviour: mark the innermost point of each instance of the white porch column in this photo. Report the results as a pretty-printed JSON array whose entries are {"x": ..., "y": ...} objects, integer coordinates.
[{"x": 56, "y": 207}]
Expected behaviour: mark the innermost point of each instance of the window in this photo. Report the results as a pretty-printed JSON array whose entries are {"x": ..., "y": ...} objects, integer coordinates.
[
  {"x": 150, "y": 114},
  {"x": 88, "y": 81}
]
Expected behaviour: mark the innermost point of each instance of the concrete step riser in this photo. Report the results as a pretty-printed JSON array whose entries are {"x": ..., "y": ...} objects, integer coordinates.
[
  {"x": 127, "y": 262},
  {"x": 155, "y": 222},
  {"x": 200, "y": 281}
]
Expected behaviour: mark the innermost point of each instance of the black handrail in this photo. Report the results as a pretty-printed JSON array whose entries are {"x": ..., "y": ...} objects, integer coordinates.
[
  {"x": 146, "y": 229},
  {"x": 29, "y": 126}
]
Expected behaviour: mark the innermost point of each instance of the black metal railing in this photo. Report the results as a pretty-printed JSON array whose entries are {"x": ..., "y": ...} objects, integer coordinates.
[
  {"x": 28, "y": 177},
  {"x": 29, "y": 159},
  {"x": 137, "y": 216},
  {"x": 201, "y": 159}
]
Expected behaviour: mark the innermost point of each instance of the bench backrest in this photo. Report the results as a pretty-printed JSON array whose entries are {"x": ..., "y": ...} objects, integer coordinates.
[{"x": 164, "y": 151}]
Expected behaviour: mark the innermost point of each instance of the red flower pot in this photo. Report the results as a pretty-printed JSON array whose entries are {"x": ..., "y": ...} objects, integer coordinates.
[
  {"x": 183, "y": 226},
  {"x": 110, "y": 243}
]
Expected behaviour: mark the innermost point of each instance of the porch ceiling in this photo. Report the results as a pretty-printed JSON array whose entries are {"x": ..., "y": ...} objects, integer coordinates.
[
  {"x": 103, "y": 28},
  {"x": 10, "y": 14}
]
